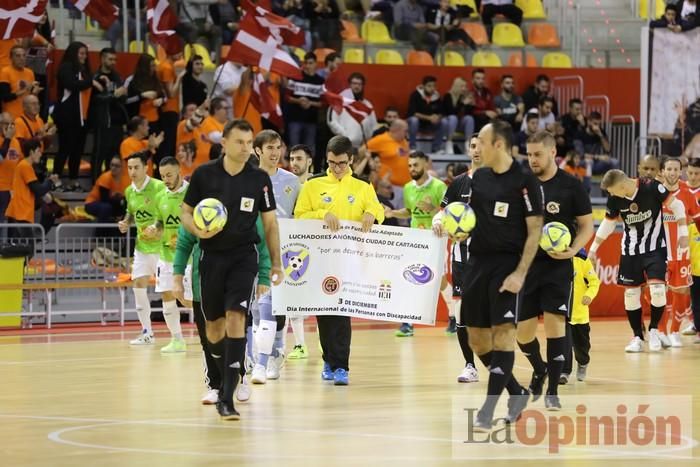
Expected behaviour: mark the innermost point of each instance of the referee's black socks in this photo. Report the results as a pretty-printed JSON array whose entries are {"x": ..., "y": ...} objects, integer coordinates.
[
  {"x": 556, "y": 357},
  {"x": 635, "y": 319},
  {"x": 512, "y": 386},
  {"x": 234, "y": 350},
  {"x": 500, "y": 372},
  {"x": 217, "y": 353},
  {"x": 531, "y": 350}
]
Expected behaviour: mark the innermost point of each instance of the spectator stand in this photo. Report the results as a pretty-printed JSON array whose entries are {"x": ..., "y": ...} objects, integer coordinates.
[{"x": 600, "y": 104}]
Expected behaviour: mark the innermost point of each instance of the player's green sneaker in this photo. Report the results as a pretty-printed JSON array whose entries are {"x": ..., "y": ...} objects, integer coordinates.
[
  {"x": 175, "y": 346},
  {"x": 406, "y": 330},
  {"x": 298, "y": 352}
]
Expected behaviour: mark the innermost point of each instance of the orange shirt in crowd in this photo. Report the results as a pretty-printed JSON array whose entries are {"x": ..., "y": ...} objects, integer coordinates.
[
  {"x": 5, "y": 47},
  {"x": 393, "y": 156},
  {"x": 578, "y": 172},
  {"x": 241, "y": 104},
  {"x": 9, "y": 163},
  {"x": 21, "y": 207},
  {"x": 17, "y": 79},
  {"x": 106, "y": 180},
  {"x": 166, "y": 73},
  {"x": 130, "y": 146},
  {"x": 148, "y": 111},
  {"x": 27, "y": 128},
  {"x": 209, "y": 125},
  {"x": 184, "y": 136}
]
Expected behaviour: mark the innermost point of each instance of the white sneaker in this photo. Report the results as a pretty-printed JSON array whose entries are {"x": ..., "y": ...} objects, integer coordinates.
[
  {"x": 258, "y": 375},
  {"x": 468, "y": 375},
  {"x": 243, "y": 390},
  {"x": 665, "y": 341},
  {"x": 676, "y": 340},
  {"x": 211, "y": 397},
  {"x": 635, "y": 345},
  {"x": 689, "y": 330},
  {"x": 275, "y": 364},
  {"x": 143, "y": 339},
  {"x": 654, "y": 340},
  {"x": 449, "y": 147}
]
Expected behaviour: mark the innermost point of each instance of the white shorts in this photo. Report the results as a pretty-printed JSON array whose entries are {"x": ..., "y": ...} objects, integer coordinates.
[
  {"x": 165, "y": 279},
  {"x": 145, "y": 265}
]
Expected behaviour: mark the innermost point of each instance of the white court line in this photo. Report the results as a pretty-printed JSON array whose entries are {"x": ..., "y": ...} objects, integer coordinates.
[
  {"x": 58, "y": 360},
  {"x": 615, "y": 381}
]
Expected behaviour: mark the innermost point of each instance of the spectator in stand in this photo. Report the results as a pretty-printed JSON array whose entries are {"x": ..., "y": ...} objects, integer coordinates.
[
  {"x": 457, "y": 107},
  {"x": 300, "y": 160},
  {"x": 325, "y": 24},
  {"x": 574, "y": 165},
  {"x": 10, "y": 155},
  {"x": 196, "y": 23},
  {"x": 41, "y": 47},
  {"x": 425, "y": 114},
  {"x": 5, "y": 48},
  {"x": 186, "y": 153},
  {"x": 139, "y": 140},
  {"x": 533, "y": 94},
  {"x": 345, "y": 123},
  {"x": 189, "y": 127},
  {"x": 544, "y": 110},
  {"x": 573, "y": 122},
  {"x": 75, "y": 82},
  {"x": 410, "y": 25},
  {"x": 297, "y": 11},
  {"x": 16, "y": 81},
  {"x": 392, "y": 148},
  {"x": 484, "y": 110},
  {"x": 532, "y": 125},
  {"x": 211, "y": 130},
  {"x": 169, "y": 115},
  {"x": 146, "y": 93},
  {"x": 106, "y": 199},
  {"x": 331, "y": 63},
  {"x": 225, "y": 15},
  {"x": 390, "y": 114},
  {"x": 509, "y": 106},
  {"x": 107, "y": 111},
  {"x": 507, "y": 8},
  {"x": 594, "y": 144},
  {"x": 303, "y": 106},
  {"x": 668, "y": 20},
  {"x": 30, "y": 126},
  {"x": 689, "y": 14},
  {"x": 444, "y": 21},
  {"x": 194, "y": 89},
  {"x": 227, "y": 79}
]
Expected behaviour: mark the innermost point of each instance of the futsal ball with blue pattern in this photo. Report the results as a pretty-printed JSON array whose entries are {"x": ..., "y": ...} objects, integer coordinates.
[
  {"x": 555, "y": 237},
  {"x": 210, "y": 214},
  {"x": 458, "y": 219}
]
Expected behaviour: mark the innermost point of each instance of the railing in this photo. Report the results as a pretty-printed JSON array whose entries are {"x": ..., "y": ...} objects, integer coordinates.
[
  {"x": 622, "y": 141},
  {"x": 565, "y": 88},
  {"x": 598, "y": 103}
]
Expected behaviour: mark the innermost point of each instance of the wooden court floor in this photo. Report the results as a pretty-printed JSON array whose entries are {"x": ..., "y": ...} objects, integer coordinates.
[{"x": 88, "y": 399}]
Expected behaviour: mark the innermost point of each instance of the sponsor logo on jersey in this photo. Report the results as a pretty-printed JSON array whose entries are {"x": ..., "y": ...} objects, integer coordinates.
[
  {"x": 636, "y": 218},
  {"x": 172, "y": 220},
  {"x": 266, "y": 195},
  {"x": 143, "y": 215},
  {"x": 526, "y": 197},
  {"x": 553, "y": 207}
]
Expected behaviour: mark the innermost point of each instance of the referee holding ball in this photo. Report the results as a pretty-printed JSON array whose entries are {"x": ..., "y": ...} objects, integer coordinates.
[{"x": 229, "y": 260}]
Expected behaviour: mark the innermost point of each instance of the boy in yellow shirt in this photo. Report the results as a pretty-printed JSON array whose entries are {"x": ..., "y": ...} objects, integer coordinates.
[{"x": 578, "y": 330}]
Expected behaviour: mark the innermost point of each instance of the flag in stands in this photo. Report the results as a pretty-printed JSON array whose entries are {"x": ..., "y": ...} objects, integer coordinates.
[
  {"x": 283, "y": 30},
  {"x": 18, "y": 18},
  {"x": 263, "y": 101},
  {"x": 357, "y": 109},
  {"x": 102, "y": 11},
  {"x": 162, "y": 22}
]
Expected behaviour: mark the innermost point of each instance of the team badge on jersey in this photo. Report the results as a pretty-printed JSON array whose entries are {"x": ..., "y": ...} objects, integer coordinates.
[
  {"x": 662, "y": 189},
  {"x": 288, "y": 190},
  {"x": 351, "y": 199},
  {"x": 247, "y": 204},
  {"x": 634, "y": 207},
  {"x": 553, "y": 207},
  {"x": 500, "y": 209}
]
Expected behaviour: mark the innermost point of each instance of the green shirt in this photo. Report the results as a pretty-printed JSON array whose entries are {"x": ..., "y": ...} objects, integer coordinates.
[
  {"x": 169, "y": 209},
  {"x": 142, "y": 205},
  {"x": 434, "y": 190}
]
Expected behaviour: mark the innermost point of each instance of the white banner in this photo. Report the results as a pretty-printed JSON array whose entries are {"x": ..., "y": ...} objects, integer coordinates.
[
  {"x": 675, "y": 78},
  {"x": 388, "y": 274}
]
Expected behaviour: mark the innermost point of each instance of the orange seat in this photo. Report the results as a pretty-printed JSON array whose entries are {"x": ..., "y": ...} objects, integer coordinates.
[
  {"x": 543, "y": 35},
  {"x": 477, "y": 32},
  {"x": 516, "y": 59},
  {"x": 419, "y": 57},
  {"x": 321, "y": 55},
  {"x": 349, "y": 33}
]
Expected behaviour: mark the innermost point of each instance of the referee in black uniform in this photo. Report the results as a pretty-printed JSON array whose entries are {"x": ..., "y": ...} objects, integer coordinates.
[
  {"x": 508, "y": 208},
  {"x": 548, "y": 288},
  {"x": 229, "y": 260}
]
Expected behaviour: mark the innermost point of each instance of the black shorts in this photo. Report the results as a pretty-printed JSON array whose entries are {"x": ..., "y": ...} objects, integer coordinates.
[
  {"x": 548, "y": 287},
  {"x": 483, "y": 306},
  {"x": 227, "y": 281},
  {"x": 457, "y": 278},
  {"x": 636, "y": 270}
]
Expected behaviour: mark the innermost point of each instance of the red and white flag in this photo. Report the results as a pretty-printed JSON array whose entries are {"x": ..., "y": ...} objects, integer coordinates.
[
  {"x": 262, "y": 100},
  {"x": 283, "y": 30},
  {"x": 357, "y": 109},
  {"x": 254, "y": 45},
  {"x": 18, "y": 18},
  {"x": 102, "y": 11},
  {"x": 162, "y": 21}
]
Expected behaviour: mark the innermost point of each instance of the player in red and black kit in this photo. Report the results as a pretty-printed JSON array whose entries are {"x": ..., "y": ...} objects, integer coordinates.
[{"x": 639, "y": 202}]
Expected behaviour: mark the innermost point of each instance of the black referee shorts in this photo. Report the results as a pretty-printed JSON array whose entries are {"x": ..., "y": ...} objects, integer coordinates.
[
  {"x": 548, "y": 287},
  {"x": 227, "y": 280},
  {"x": 483, "y": 306},
  {"x": 457, "y": 278},
  {"x": 636, "y": 270}
]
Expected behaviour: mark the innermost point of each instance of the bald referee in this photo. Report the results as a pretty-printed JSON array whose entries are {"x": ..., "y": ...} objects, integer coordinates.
[
  {"x": 508, "y": 208},
  {"x": 228, "y": 263}
]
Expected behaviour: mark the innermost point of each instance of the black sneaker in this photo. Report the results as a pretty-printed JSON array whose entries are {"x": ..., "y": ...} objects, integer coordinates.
[
  {"x": 537, "y": 385},
  {"x": 564, "y": 379},
  {"x": 481, "y": 423},
  {"x": 551, "y": 403},
  {"x": 451, "y": 326},
  {"x": 227, "y": 411},
  {"x": 516, "y": 405}
]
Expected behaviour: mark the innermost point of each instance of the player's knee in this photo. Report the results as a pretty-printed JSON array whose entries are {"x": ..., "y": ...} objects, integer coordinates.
[
  {"x": 526, "y": 330},
  {"x": 633, "y": 298},
  {"x": 216, "y": 330},
  {"x": 554, "y": 325},
  {"x": 479, "y": 340},
  {"x": 657, "y": 291},
  {"x": 504, "y": 337}
]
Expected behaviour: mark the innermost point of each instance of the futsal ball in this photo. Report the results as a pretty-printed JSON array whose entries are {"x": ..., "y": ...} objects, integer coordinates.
[
  {"x": 458, "y": 219},
  {"x": 210, "y": 214},
  {"x": 555, "y": 237}
]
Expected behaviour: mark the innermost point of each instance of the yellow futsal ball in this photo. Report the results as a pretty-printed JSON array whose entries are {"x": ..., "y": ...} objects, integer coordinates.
[
  {"x": 458, "y": 219},
  {"x": 210, "y": 214},
  {"x": 555, "y": 237}
]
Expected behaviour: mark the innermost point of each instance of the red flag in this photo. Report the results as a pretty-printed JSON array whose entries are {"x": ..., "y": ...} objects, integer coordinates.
[
  {"x": 283, "y": 30},
  {"x": 357, "y": 109},
  {"x": 162, "y": 21},
  {"x": 18, "y": 18},
  {"x": 255, "y": 46},
  {"x": 102, "y": 11},
  {"x": 263, "y": 101}
]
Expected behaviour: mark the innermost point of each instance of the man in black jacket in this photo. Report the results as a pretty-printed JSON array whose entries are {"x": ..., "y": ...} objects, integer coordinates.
[
  {"x": 533, "y": 94},
  {"x": 425, "y": 114},
  {"x": 107, "y": 111}
]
